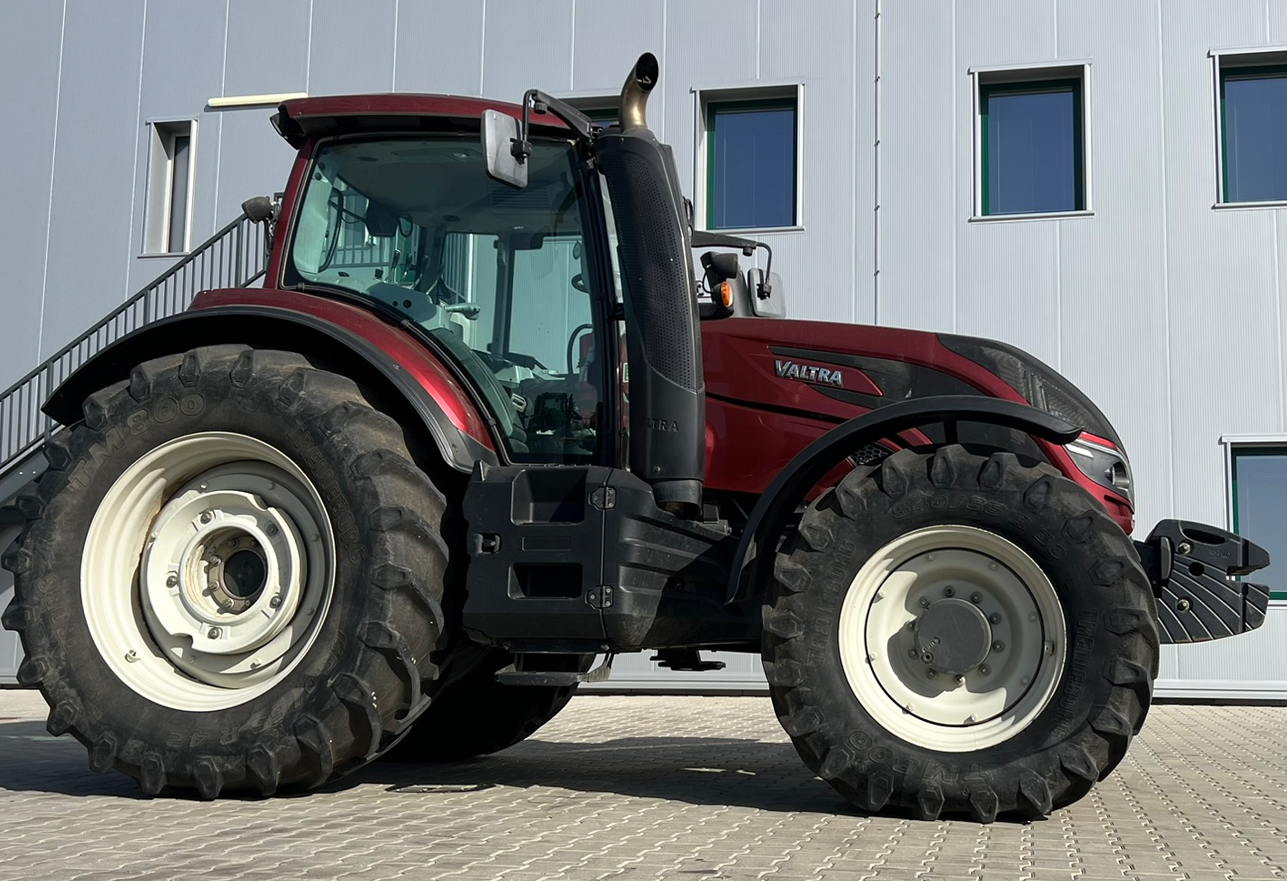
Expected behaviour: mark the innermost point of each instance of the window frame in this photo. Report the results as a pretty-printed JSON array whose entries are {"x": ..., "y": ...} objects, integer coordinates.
[
  {"x": 159, "y": 194},
  {"x": 710, "y": 101},
  {"x": 1033, "y": 79},
  {"x": 1253, "y": 444},
  {"x": 1224, "y": 61}
]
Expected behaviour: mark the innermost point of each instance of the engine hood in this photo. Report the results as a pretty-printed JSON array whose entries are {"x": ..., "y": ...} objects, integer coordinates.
[{"x": 834, "y": 372}]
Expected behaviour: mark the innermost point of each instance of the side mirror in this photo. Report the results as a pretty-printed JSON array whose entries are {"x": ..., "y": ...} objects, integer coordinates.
[
  {"x": 500, "y": 134},
  {"x": 767, "y": 300},
  {"x": 259, "y": 208}
]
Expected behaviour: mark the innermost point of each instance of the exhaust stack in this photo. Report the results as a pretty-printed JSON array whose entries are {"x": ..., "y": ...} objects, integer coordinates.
[
  {"x": 634, "y": 94},
  {"x": 667, "y": 389}
]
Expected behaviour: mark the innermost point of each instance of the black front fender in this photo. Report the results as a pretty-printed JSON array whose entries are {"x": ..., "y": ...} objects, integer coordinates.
[
  {"x": 768, "y": 518},
  {"x": 266, "y": 327}
]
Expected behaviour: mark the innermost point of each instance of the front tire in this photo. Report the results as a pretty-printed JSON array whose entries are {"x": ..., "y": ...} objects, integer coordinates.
[
  {"x": 232, "y": 575},
  {"x": 949, "y": 633}
]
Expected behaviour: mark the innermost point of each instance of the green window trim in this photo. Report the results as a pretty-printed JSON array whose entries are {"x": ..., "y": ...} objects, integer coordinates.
[
  {"x": 1257, "y": 72},
  {"x": 1247, "y": 452},
  {"x": 1038, "y": 87},
  {"x": 713, "y": 109}
]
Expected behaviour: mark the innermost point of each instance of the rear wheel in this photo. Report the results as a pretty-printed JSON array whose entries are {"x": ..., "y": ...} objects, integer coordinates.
[
  {"x": 476, "y": 715},
  {"x": 949, "y": 633},
  {"x": 232, "y": 575}
]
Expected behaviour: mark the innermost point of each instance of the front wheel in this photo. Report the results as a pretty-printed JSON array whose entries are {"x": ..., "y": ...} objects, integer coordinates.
[
  {"x": 232, "y": 575},
  {"x": 949, "y": 633}
]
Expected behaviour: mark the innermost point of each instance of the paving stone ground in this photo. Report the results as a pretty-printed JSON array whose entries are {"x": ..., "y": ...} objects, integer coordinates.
[{"x": 642, "y": 787}]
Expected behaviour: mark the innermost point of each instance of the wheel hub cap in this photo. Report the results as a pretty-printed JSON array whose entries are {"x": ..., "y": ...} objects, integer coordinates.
[
  {"x": 207, "y": 571},
  {"x": 953, "y": 636}
]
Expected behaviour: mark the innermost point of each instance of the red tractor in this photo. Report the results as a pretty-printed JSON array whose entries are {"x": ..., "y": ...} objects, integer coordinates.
[{"x": 482, "y": 424}]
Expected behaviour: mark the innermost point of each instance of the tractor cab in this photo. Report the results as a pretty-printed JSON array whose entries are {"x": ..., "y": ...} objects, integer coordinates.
[{"x": 498, "y": 279}]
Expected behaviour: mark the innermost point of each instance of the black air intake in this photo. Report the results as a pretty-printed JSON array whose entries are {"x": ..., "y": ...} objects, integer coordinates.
[{"x": 667, "y": 391}]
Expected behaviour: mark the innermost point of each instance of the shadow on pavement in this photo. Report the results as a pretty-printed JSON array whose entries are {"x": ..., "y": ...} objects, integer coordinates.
[
  {"x": 694, "y": 770},
  {"x": 33, "y": 761}
]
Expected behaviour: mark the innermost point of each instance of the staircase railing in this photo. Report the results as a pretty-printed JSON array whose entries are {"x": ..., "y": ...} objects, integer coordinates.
[{"x": 233, "y": 257}]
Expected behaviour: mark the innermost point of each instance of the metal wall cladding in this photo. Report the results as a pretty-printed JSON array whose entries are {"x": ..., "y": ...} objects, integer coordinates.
[
  {"x": 1166, "y": 310},
  {"x": 10, "y": 647}
]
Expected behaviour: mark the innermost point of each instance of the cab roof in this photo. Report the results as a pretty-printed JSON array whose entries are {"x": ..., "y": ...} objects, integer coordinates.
[{"x": 302, "y": 118}]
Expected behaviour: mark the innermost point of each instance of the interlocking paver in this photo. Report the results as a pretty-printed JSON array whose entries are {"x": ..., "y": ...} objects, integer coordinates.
[{"x": 651, "y": 789}]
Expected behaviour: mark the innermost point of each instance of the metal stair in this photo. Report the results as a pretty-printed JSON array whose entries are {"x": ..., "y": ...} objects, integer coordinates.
[{"x": 233, "y": 257}]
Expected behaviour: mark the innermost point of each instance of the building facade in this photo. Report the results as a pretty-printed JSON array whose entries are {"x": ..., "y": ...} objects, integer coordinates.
[{"x": 1101, "y": 183}]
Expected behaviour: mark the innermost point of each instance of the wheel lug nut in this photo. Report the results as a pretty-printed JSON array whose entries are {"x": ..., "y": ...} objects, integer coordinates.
[
  {"x": 271, "y": 529},
  {"x": 275, "y": 602},
  {"x": 976, "y": 598},
  {"x": 172, "y": 580},
  {"x": 912, "y": 653},
  {"x": 206, "y": 516},
  {"x": 932, "y": 674},
  {"x": 911, "y": 625},
  {"x": 960, "y": 680},
  {"x": 994, "y": 618},
  {"x": 949, "y": 591},
  {"x": 213, "y": 633},
  {"x": 924, "y": 603},
  {"x": 998, "y": 646},
  {"x": 1032, "y": 617},
  {"x": 215, "y": 559},
  {"x": 985, "y": 669}
]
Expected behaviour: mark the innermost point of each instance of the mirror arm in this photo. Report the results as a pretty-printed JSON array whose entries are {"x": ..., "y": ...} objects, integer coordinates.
[
  {"x": 766, "y": 287},
  {"x": 535, "y": 99},
  {"x": 704, "y": 239}
]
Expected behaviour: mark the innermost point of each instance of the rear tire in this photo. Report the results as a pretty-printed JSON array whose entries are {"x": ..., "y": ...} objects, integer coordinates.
[
  {"x": 477, "y": 716},
  {"x": 1049, "y": 639},
  {"x": 231, "y": 576}
]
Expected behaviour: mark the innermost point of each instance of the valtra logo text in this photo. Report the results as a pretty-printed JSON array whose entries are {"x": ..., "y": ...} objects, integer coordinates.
[{"x": 808, "y": 373}]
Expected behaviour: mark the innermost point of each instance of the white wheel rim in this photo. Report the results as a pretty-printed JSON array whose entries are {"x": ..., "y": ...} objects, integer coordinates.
[
  {"x": 207, "y": 571},
  {"x": 1023, "y": 654}
]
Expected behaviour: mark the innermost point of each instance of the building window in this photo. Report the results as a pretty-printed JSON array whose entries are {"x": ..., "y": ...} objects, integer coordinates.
[
  {"x": 170, "y": 180},
  {"x": 1253, "y": 133},
  {"x": 752, "y": 166},
  {"x": 1258, "y": 496},
  {"x": 604, "y": 116},
  {"x": 1031, "y": 142}
]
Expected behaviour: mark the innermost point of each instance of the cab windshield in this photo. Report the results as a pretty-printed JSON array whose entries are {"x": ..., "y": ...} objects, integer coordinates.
[{"x": 497, "y": 276}]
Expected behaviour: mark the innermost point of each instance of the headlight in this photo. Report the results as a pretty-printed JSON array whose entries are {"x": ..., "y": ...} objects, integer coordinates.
[{"x": 1106, "y": 467}]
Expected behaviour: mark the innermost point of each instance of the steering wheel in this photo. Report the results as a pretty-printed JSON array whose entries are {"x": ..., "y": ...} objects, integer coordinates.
[{"x": 580, "y": 328}]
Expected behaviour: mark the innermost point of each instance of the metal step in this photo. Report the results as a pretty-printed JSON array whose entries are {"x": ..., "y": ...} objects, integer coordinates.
[{"x": 510, "y": 675}]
